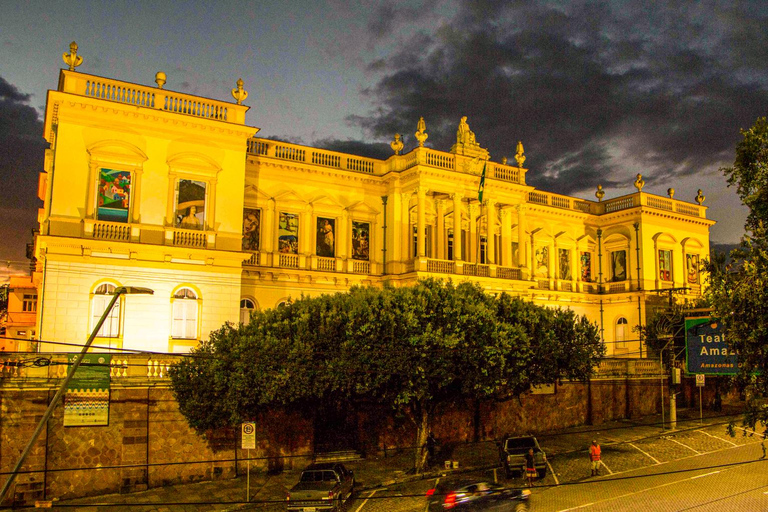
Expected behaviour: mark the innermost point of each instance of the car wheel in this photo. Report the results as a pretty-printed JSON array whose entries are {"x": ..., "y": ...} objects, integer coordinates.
[
  {"x": 521, "y": 507},
  {"x": 542, "y": 473}
]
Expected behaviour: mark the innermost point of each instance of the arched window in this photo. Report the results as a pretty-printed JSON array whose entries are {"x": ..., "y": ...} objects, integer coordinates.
[
  {"x": 247, "y": 306},
  {"x": 102, "y": 296},
  {"x": 185, "y": 313},
  {"x": 621, "y": 333}
]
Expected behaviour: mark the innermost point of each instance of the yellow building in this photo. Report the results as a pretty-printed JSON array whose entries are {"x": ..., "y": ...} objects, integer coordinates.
[{"x": 153, "y": 188}]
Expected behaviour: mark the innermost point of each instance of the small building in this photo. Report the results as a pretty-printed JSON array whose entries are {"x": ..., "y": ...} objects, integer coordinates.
[{"x": 21, "y": 317}]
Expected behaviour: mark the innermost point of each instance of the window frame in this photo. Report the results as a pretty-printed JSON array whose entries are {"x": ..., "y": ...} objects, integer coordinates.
[
  {"x": 115, "y": 317},
  {"x": 184, "y": 304}
]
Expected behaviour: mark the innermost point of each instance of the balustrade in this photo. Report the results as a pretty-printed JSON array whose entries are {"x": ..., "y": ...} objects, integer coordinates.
[
  {"x": 111, "y": 231},
  {"x": 252, "y": 261},
  {"x": 361, "y": 267},
  {"x": 441, "y": 266},
  {"x": 508, "y": 273},
  {"x": 120, "y": 92},
  {"x": 326, "y": 264},
  {"x": 288, "y": 260},
  {"x": 189, "y": 238}
]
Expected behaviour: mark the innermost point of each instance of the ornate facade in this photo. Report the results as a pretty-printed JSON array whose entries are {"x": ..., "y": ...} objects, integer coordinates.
[{"x": 152, "y": 188}]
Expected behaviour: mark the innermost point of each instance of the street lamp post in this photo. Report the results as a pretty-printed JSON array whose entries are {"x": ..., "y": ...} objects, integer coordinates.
[
  {"x": 661, "y": 370},
  {"x": 123, "y": 290}
]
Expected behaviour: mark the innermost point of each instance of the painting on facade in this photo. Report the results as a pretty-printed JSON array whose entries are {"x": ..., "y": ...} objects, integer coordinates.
[
  {"x": 326, "y": 229},
  {"x": 190, "y": 204},
  {"x": 86, "y": 401},
  {"x": 586, "y": 267},
  {"x": 288, "y": 233},
  {"x": 692, "y": 268},
  {"x": 114, "y": 195},
  {"x": 565, "y": 264},
  {"x": 542, "y": 262},
  {"x": 360, "y": 240},
  {"x": 665, "y": 265},
  {"x": 515, "y": 254},
  {"x": 251, "y": 229},
  {"x": 619, "y": 265}
]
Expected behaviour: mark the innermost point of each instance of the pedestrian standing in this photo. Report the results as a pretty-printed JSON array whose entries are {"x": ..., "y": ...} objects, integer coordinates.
[
  {"x": 594, "y": 457},
  {"x": 530, "y": 467}
]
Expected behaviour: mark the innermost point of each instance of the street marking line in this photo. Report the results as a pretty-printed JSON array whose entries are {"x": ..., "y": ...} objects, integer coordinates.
[
  {"x": 557, "y": 482},
  {"x": 366, "y": 501},
  {"x": 685, "y": 445},
  {"x": 606, "y": 467},
  {"x": 576, "y": 508},
  {"x": 749, "y": 431},
  {"x": 717, "y": 437},
  {"x": 645, "y": 453},
  {"x": 705, "y": 474}
]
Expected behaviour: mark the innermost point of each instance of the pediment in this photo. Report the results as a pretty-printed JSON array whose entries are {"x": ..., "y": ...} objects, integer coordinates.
[
  {"x": 115, "y": 151},
  {"x": 194, "y": 163},
  {"x": 326, "y": 202},
  {"x": 362, "y": 207},
  {"x": 289, "y": 197},
  {"x": 254, "y": 194}
]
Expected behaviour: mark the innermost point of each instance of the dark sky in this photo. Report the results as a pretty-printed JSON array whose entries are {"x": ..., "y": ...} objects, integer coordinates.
[{"x": 597, "y": 91}]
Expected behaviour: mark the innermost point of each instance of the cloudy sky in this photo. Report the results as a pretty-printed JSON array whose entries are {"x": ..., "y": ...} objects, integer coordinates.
[{"x": 597, "y": 91}]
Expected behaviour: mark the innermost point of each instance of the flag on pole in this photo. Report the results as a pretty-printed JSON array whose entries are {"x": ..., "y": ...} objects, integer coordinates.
[{"x": 481, "y": 188}]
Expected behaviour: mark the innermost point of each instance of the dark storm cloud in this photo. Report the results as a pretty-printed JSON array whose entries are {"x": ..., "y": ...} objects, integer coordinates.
[
  {"x": 356, "y": 147},
  {"x": 596, "y": 91}
]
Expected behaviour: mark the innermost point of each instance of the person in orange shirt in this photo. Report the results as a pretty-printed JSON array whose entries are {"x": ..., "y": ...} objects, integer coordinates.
[{"x": 594, "y": 457}]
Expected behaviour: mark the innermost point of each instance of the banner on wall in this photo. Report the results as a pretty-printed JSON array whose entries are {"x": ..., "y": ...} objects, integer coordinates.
[{"x": 86, "y": 401}]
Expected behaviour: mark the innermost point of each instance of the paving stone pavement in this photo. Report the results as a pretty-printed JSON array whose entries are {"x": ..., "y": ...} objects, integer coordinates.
[{"x": 626, "y": 445}]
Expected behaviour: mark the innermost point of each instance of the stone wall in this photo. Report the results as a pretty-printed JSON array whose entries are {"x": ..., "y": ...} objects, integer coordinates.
[{"x": 149, "y": 444}]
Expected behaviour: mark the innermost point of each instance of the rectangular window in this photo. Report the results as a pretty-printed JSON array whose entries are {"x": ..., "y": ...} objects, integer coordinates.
[
  {"x": 483, "y": 250},
  {"x": 586, "y": 267},
  {"x": 29, "y": 303},
  {"x": 111, "y": 326},
  {"x": 360, "y": 240},
  {"x": 325, "y": 246},
  {"x": 564, "y": 259},
  {"x": 665, "y": 265},
  {"x": 450, "y": 245},
  {"x": 619, "y": 265},
  {"x": 184, "y": 319},
  {"x": 114, "y": 195},
  {"x": 288, "y": 233},
  {"x": 251, "y": 229},
  {"x": 190, "y": 204}
]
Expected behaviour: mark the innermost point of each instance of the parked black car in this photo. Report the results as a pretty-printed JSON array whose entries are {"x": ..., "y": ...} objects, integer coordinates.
[
  {"x": 477, "y": 495},
  {"x": 513, "y": 450},
  {"x": 322, "y": 486}
]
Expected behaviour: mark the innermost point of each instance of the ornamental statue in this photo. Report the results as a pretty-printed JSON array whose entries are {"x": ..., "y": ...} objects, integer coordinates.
[
  {"x": 639, "y": 183},
  {"x": 671, "y": 193},
  {"x": 397, "y": 144},
  {"x": 160, "y": 79},
  {"x": 700, "y": 197},
  {"x": 464, "y": 135},
  {"x": 420, "y": 134},
  {"x": 239, "y": 93},
  {"x": 600, "y": 194},
  {"x": 520, "y": 154},
  {"x": 72, "y": 59}
]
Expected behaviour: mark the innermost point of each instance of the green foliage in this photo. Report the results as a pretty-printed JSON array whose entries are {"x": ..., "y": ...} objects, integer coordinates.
[{"x": 411, "y": 347}]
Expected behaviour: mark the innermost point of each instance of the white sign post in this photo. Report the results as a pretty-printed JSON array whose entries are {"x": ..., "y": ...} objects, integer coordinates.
[
  {"x": 248, "y": 444},
  {"x": 700, "y": 384}
]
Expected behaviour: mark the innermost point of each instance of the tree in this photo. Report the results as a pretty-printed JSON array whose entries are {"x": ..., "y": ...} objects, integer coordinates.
[
  {"x": 414, "y": 348},
  {"x": 736, "y": 291}
]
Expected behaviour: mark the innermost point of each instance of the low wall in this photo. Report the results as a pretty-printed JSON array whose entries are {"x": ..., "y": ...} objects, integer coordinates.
[{"x": 149, "y": 444}]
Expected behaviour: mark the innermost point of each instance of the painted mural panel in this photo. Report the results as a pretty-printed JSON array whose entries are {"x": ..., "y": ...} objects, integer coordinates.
[
  {"x": 542, "y": 262},
  {"x": 665, "y": 265},
  {"x": 360, "y": 240},
  {"x": 586, "y": 267},
  {"x": 190, "y": 204},
  {"x": 288, "y": 233},
  {"x": 564, "y": 257},
  {"x": 326, "y": 229},
  {"x": 114, "y": 195},
  {"x": 692, "y": 268},
  {"x": 619, "y": 265},
  {"x": 515, "y": 254},
  {"x": 251, "y": 229}
]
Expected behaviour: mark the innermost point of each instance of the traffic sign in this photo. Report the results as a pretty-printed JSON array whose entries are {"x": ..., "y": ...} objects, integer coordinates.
[
  {"x": 700, "y": 380},
  {"x": 249, "y": 436}
]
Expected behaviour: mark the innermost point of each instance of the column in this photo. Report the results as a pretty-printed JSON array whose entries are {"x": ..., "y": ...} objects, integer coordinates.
[
  {"x": 522, "y": 241},
  {"x": 473, "y": 211},
  {"x": 407, "y": 234},
  {"x": 136, "y": 199},
  {"x": 506, "y": 242},
  {"x": 93, "y": 183},
  {"x": 169, "y": 220},
  {"x": 343, "y": 237},
  {"x": 441, "y": 251},
  {"x": 457, "y": 226},
  {"x": 421, "y": 222},
  {"x": 490, "y": 223}
]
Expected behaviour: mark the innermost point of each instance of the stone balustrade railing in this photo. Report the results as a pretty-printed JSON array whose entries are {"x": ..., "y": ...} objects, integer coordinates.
[
  {"x": 616, "y": 204},
  {"x": 150, "y": 97}
]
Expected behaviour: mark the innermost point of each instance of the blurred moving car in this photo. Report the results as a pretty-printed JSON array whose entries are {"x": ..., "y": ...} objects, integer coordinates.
[
  {"x": 322, "y": 486},
  {"x": 513, "y": 450},
  {"x": 477, "y": 495}
]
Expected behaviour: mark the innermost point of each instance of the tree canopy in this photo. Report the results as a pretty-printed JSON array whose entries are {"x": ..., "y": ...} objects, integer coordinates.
[
  {"x": 413, "y": 348},
  {"x": 737, "y": 291}
]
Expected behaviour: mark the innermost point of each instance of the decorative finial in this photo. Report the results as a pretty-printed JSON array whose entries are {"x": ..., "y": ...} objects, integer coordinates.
[
  {"x": 160, "y": 79},
  {"x": 239, "y": 93},
  {"x": 700, "y": 197},
  {"x": 639, "y": 183},
  {"x": 72, "y": 59},
  {"x": 397, "y": 144},
  {"x": 420, "y": 134},
  {"x": 671, "y": 193},
  {"x": 520, "y": 156},
  {"x": 600, "y": 194},
  {"x": 503, "y": 160}
]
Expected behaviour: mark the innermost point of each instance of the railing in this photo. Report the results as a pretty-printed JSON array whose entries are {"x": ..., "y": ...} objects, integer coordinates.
[
  {"x": 589, "y": 287},
  {"x": 661, "y": 204},
  {"x": 193, "y": 106},
  {"x": 619, "y": 204},
  {"x": 253, "y": 260},
  {"x": 288, "y": 260},
  {"x": 441, "y": 266},
  {"x": 136, "y": 368},
  {"x": 360, "y": 165},
  {"x": 508, "y": 273},
  {"x": 566, "y": 286},
  {"x": 477, "y": 269},
  {"x": 442, "y": 160},
  {"x": 326, "y": 264},
  {"x": 106, "y": 89},
  {"x": 361, "y": 267},
  {"x": 189, "y": 238},
  {"x": 111, "y": 230},
  {"x": 542, "y": 284},
  {"x": 617, "y": 287},
  {"x": 627, "y": 367},
  {"x": 326, "y": 158},
  {"x": 506, "y": 173}
]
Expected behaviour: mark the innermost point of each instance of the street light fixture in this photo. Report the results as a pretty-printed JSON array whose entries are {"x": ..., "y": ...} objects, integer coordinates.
[{"x": 122, "y": 290}]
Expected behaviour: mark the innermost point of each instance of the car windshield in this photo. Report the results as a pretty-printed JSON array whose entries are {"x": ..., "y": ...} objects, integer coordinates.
[
  {"x": 318, "y": 476},
  {"x": 520, "y": 443}
]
